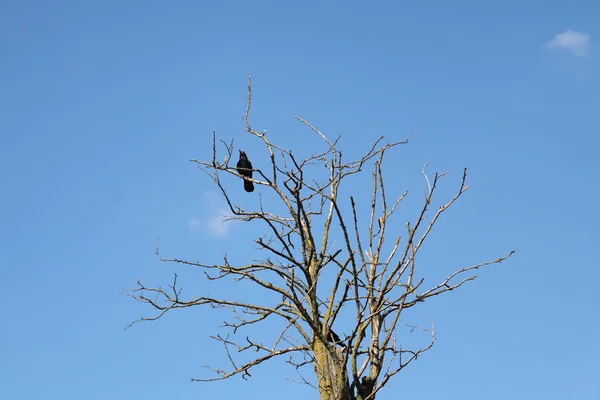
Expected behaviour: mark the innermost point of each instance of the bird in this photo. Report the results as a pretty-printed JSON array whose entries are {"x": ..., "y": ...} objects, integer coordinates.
[
  {"x": 333, "y": 337},
  {"x": 244, "y": 168}
]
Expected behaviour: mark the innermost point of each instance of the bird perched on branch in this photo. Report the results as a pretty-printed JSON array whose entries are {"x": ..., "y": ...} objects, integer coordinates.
[
  {"x": 333, "y": 337},
  {"x": 244, "y": 168}
]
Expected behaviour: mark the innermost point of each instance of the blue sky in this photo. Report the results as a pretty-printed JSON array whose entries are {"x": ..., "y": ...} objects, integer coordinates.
[{"x": 104, "y": 103}]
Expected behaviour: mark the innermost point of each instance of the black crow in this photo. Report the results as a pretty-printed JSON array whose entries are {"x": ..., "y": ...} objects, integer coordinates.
[{"x": 244, "y": 168}]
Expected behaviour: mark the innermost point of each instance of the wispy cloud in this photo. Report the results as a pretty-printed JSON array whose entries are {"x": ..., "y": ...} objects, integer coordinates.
[
  {"x": 577, "y": 43},
  {"x": 212, "y": 218},
  {"x": 217, "y": 225}
]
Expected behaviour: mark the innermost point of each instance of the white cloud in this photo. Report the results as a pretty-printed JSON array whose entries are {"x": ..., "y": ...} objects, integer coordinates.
[
  {"x": 217, "y": 226},
  {"x": 577, "y": 43},
  {"x": 212, "y": 218}
]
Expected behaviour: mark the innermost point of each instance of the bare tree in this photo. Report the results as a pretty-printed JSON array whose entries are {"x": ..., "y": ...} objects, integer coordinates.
[{"x": 320, "y": 266}]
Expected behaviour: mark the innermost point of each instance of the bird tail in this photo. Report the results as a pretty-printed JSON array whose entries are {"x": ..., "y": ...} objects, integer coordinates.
[{"x": 248, "y": 186}]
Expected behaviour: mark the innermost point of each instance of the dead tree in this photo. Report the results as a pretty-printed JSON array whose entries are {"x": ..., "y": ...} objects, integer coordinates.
[{"x": 321, "y": 261}]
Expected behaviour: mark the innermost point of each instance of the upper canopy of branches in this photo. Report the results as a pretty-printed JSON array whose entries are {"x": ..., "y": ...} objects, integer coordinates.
[{"x": 373, "y": 284}]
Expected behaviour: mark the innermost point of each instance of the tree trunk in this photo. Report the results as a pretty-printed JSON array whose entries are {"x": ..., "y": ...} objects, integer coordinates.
[{"x": 331, "y": 374}]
